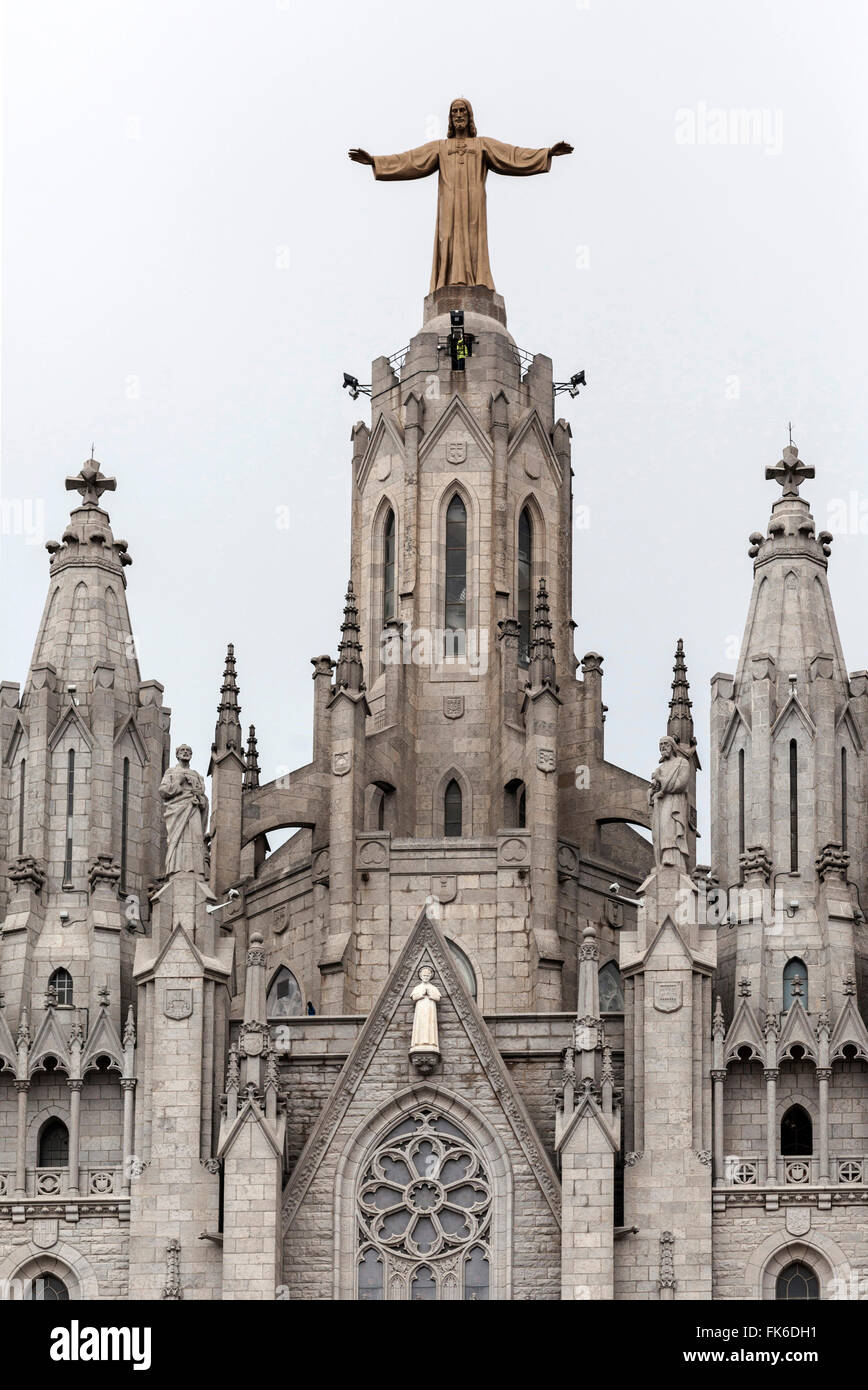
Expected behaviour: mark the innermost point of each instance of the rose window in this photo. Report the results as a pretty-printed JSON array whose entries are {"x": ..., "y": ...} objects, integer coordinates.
[{"x": 424, "y": 1210}]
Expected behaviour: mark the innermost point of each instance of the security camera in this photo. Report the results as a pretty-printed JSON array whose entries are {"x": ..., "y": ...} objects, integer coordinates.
[
  {"x": 614, "y": 889},
  {"x": 233, "y": 894},
  {"x": 64, "y": 914}
]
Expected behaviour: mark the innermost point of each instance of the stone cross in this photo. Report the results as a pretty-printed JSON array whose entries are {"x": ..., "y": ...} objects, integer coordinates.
[
  {"x": 90, "y": 483},
  {"x": 790, "y": 472}
]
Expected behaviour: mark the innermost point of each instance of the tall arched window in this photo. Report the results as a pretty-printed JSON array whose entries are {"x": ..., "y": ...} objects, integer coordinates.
[
  {"x": 525, "y": 573},
  {"x": 741, "y": 836},
  {"x": 284, "y": 997},
  {"x": 70, "y": 816},
  {"x": 424, "y": 1214},
  {"x": 125, "y": 817},
  {"x": 797, "y": 1133},
  {"x": 797, "y": 1282},
  {"x": 47, "y": 1288},
  {"x": 22, "y": 774},
  {"x": 611, "y": 989},
  {"x": 795, "y": 982},
  {"x": 456, "y": 578},
  {"x": 843, "y": 798},
  {"x": 61, "y": 983},
  {"x": 452, "y": 809},
  {"x": 53, "y": 1145},
  {"x": 794, "y": 806},
  {"x": 389, "y": 567},
  {"x": 515, "y": 805}
]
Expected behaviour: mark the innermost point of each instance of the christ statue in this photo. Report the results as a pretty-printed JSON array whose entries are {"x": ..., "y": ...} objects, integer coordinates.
[{"x": 463, "y": 160}]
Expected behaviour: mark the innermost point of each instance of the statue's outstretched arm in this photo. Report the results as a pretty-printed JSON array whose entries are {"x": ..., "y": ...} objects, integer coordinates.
[
  {"x": 516, "y": 160},
  {"x": 411, "y": 164}
]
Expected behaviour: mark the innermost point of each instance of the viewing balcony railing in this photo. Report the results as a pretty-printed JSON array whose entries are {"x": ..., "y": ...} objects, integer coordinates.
[
  {"x": 102, "y": 1181},
  {"x": 752, "y": 1171}
]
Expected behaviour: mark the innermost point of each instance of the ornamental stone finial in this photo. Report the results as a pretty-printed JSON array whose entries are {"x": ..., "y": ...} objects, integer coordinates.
[
  {"x": 91, "y": 483},
  {"x": 790, "y": 472}
]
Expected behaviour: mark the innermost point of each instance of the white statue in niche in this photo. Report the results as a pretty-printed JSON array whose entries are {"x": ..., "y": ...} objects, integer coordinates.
[{"x": 425, "y": 1042}]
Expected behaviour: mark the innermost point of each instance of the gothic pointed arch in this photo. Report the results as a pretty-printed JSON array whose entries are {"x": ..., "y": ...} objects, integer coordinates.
[
  {"x": 284, "y": 998},
  {"x": 461, "y": 782},
  {"x": 383, "y": 573},
  {"x": 455, "y": 579}
]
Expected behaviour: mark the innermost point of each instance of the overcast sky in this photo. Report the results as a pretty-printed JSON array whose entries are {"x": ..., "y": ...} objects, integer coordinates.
[{"x": 190, "y": 262}]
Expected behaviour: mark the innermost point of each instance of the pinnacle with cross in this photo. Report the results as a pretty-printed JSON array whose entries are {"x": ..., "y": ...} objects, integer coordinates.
[
  {"x": 790, "y": 472},
  {"x": 91, "y": 483}
]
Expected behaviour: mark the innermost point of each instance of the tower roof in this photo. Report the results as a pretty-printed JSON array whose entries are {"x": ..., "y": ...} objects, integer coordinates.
[
  {"x": 85, "y": 621},
  {"x": 791, "y": 619}
]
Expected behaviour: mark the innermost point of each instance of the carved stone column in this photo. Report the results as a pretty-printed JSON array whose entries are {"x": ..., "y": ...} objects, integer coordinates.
[
  {"x": 718, "y": 1078},
  {"x": 74, "y": 1133},
  {"x": 128, "y": 1086},
  {"x": 823, "y": 1077},
  {"x": 771, "y": 1075},
  {"x": 22, "y": 1087}
]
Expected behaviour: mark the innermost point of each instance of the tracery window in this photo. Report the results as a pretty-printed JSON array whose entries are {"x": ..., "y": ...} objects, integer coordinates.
[
  {"x": 424, "y": 1215},
  {"x": 797, "y": 1282},
  {"x": 47, "y": 1288}
]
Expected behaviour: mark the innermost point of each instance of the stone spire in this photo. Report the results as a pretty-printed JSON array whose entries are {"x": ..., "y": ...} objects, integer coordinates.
[
  {"x": 349, "y": 673},
  {"x": 791, "y": 621},
  {"x": 251, "y": 761},
  {"x": 542, "y": 649},
  {"x": 227, "y": 734},
  {"x": 680, "y": 723},
  {"x": 86, "y": 598}
]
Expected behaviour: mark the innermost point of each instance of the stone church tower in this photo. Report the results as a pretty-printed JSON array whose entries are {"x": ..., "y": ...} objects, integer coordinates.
[{"x": 465, "y": 1034}]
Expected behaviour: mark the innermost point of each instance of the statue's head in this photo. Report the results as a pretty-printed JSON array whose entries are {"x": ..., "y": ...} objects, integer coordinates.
[
  {"x": 184, "y": 753},
  {"x": 461, "y": 120},
  {"x": 426, "y": 974},
  {"x": 667, "y": 748}
]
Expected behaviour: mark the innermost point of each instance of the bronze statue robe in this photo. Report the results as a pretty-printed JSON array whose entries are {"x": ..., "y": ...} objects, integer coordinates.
[{"x": 461, "y": 236}]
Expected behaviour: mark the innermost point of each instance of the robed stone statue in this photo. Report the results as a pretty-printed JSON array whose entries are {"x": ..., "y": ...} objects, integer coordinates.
[
  {"x": 185, "y": 808},
  {"x": 668, "y": 797},
  {"x": 462, "y": 160},
  {"x": 426, "y": 997}
]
